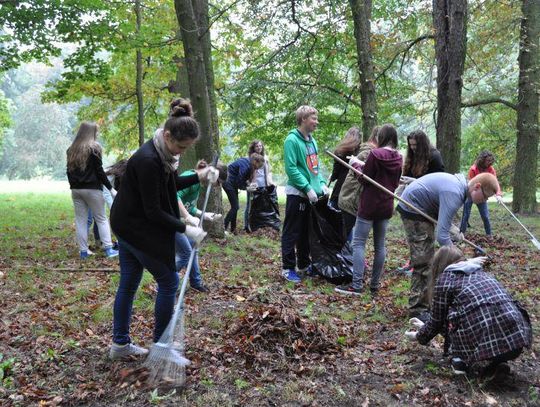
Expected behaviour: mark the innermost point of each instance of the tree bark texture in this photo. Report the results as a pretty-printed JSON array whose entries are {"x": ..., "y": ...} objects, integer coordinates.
[
  {"x": 361, "y": 11},
  {"x": 139, "y": 77},
  {"x": 525, "y": 176},
  {"x": 450, "y": 24},
  {"x": 190, "y": 14}
]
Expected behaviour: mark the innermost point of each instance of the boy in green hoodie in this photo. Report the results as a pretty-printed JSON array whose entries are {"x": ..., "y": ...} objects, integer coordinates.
[{"x": 304, "y": 187}]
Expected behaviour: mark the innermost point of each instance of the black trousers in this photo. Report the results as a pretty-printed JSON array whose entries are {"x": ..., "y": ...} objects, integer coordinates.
[
  {"x": 295, "y": 233},
  {"x": 230, "y": 218}
]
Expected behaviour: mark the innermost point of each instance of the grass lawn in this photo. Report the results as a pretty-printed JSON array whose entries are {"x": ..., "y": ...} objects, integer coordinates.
[{"x": 254, "y": 340}]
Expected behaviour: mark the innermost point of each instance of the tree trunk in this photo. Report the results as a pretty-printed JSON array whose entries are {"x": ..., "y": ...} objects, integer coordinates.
[
  {"x": 188, "y": 14},
  {"x": 361, "y": 11},
  {"x": 139, "y": 76},
  {"x": 450, "y": 24},
  {"x": 180, "y": 86},
  {"x": 525, "y": 176},
  {"x": 201, "y": 10}
]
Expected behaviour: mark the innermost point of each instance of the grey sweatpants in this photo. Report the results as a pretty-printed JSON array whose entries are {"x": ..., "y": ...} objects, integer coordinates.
[{"x": 83, "y": 199}]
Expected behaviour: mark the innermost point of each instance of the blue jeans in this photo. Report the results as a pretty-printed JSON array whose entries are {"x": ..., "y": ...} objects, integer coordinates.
[
  {"x": 360, "y": 234},
  {"x": 184, "y": 247},
  {"x": 132, "y": 263},
  {"x": 484, "y": 214}
]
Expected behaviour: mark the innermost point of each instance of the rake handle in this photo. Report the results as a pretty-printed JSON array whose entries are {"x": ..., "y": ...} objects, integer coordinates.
[
  {"x": 410, "y": 205},
  {"x": 180, "y": 301}
]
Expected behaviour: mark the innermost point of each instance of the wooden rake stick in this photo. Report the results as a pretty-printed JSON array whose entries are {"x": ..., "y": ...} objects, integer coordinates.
[{"x": 410, "y": 205}]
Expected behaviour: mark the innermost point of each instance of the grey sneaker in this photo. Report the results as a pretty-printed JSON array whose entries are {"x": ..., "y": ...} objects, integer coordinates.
[{"x": 119, "y": 352}]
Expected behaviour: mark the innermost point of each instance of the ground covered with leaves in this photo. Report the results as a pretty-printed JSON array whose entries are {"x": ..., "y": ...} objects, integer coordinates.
[{"x": 254, "y": 340}]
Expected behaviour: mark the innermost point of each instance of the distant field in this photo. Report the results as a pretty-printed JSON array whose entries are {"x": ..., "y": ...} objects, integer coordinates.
[{"x": 41, "y": 186}]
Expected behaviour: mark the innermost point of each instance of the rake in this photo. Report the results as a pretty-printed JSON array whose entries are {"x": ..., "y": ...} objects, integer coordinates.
[
  {"x": 166, "y": 361},
  {"x": 410, "y": 205},
  {"x": 533, "y": 239}
]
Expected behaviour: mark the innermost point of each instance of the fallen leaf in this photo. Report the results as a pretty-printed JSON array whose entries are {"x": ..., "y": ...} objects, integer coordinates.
[{"x": 239, "y": 298}]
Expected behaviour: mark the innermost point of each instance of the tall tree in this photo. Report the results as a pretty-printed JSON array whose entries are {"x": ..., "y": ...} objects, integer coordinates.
[
  {"x": 361, "y": 11},
  {"x": 139, "y": 74},
  {"x": 525, "y": 176},
  {"x": 450, "y": 23},
  {"x": 193, "y": 20}
]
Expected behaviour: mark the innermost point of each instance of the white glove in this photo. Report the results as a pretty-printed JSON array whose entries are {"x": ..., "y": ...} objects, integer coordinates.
[
  {"x": 406, "y": 180},
  {"x": 252, "y": 187},
  {"x": 498, "y": 198},
  {"x": 478, "y": 260},
  {"x": 312, "y": 196},
  {"x": 416, "y": 322},
  {"x": 209, "y": 174},
  {"x": 354, "y": 160},
  {"x": 411, "y": 335},
  {"x": 399, "y": 190},
  {"x": 192, "y": 220},
  {"x": 196, "y": 234},
  {"x": 325, "y": 190},
  {"x": 113, "y": 193},
  {"x": 455, "y": 234},
  {"x": 213, "y": 175},
  {"x": 212, "y": 217}
]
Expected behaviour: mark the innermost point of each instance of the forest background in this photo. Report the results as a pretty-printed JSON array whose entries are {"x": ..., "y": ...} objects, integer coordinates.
[{"x": 467, "y": 73}]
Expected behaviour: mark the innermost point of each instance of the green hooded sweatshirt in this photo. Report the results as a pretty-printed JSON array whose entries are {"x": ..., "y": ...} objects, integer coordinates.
[{"x": 302, "y": 163}]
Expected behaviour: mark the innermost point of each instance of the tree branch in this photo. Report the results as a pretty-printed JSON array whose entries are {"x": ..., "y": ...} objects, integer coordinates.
[
  {"x": 488, "y": 102},
  {"x": 411, "y": 44}
]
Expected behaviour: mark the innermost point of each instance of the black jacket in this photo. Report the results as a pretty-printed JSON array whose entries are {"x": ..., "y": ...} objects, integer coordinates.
[
  {"x": 145, "y": 212},
  {"x": 93, "y": 176}
]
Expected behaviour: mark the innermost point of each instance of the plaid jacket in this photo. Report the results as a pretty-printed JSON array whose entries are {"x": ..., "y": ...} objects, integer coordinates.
[{"x": 481, "y": 318}]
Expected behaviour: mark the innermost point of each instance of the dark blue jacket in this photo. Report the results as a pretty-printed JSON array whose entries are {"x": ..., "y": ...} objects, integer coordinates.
[{"x": 239, "y": 172}]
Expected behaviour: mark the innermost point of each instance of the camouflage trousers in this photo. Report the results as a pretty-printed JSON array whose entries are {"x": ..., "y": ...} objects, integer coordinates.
[{"x": 421, "y": 240}]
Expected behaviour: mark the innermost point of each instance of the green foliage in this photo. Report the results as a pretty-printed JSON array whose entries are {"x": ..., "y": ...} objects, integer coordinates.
[{"x": 6, "y": 371}]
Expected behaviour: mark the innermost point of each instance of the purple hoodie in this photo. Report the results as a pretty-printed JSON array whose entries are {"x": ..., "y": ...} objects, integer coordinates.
[{"x": 383, "y": 166}]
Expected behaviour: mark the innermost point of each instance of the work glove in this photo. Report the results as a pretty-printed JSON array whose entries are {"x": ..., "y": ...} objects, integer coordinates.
[
  {"x": 411, "y": 335},
  {"x": 210, "y": 216},
  {"x": 113, "y": 193},
  {"x": 455, "y": 234},
  {"x": 209, "y": 174},
  {"x": 192, "y": 220},
  {"x": 400, "y": 189},
  {"x": 478, "y": 260},
  {"x": 196, "y": 234},
  {"x": 325, "y": 190},
  {"x": 416, "y": 322},
  {"x": 498, "y": 198},
  {"x": 252, "y": 187},
  {"x": 354, "y": 160},
  {"x": 312, "y": 196},
  {"x": 406, "y": 180}
]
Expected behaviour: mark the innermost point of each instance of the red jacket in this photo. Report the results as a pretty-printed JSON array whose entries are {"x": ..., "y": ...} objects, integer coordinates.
[{"x": 474, "y": 171}]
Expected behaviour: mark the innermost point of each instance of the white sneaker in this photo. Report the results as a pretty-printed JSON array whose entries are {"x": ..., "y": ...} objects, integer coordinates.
[{"x": 118, "y": 352}]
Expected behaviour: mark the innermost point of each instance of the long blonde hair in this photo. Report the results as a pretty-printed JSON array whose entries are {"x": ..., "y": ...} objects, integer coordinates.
[
  {"x": 445, "y": 256},
  {"x": 84, "y": 144}
]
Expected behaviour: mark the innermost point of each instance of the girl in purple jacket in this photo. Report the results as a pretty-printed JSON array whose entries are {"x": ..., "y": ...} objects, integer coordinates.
[{"x": 383, "y": 165}]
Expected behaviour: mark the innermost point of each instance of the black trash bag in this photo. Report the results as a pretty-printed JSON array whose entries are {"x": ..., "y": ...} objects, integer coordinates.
[
  {"x": 264, "y": 209},
  {"x": 331, "y": 254}
]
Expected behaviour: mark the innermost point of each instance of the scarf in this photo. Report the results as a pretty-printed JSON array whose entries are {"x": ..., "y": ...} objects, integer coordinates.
[{"x": 170, "y": 162}]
